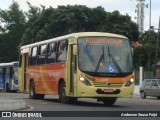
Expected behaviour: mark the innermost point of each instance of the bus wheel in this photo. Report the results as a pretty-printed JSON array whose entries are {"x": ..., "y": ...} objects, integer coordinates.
[
  {"x": 158, "y": 97},
  {"x": 109, "y": 101},
  {"x": 62, "y": 94},
  {"x": 32, "y": 93}
]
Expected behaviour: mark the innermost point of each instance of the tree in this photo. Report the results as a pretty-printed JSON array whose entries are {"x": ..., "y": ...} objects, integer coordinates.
[
  {"x": 140, "y": 56},
  {"x": 50, "y": 22},
  {"x": 149, "y": 36},
  {"x": 147, "y": 52},
  {"x": 122, "y": 24},
  {"x": 42, "y": 23},
  {"x": 12, "y": 27}
]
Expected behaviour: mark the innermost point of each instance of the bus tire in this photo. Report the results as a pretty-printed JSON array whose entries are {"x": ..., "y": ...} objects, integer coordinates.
[
  {"x": 62, "y": 94},
  {"x": 32, "y": 93},
  {"x": 109, "y": 101},
  {"x": 158, "y": 97}
]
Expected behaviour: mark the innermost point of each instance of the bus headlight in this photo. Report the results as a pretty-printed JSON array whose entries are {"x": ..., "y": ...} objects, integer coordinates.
[
  {"x": 84, "y": 81},
  {"x": 81, "y": 79},
  {"x": 129, "y": 82}
]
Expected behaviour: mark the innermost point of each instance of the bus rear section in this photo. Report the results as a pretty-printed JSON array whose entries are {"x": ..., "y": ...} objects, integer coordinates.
[
  {"x": 2, "y": 78},
  {"x": 96, "y": 65},
  {"x": 9, "y": 76}
]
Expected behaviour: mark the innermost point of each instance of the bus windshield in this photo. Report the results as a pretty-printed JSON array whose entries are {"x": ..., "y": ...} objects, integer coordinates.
[{"x": 104, "y": 56}]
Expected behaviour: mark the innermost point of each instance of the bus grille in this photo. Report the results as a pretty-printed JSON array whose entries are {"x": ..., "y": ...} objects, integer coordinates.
[{"x": 104, "y": 84}]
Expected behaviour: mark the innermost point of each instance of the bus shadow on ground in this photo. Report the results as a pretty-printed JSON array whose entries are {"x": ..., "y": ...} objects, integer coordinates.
[{"x": 85, "y": 103}]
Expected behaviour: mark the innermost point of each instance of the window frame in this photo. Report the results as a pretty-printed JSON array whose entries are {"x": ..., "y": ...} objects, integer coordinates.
[
  {"x": 31, "y": 56},
  {"x": 54, "y": 60},
  {"x": 1, "y": 71},
  {"x": 60, "y": 52},
  {"x": 39, "y": 62}
]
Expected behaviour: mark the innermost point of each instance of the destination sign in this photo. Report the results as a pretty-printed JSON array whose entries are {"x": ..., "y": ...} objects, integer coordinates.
[{"x": 103, "y": 41}]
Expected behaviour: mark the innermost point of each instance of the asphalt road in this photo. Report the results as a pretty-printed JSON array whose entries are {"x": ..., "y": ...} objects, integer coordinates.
[{"x": 51, "y": 103}]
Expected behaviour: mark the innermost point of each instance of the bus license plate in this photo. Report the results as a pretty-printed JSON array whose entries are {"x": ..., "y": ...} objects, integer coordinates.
[{"x": 108, "y": 90}]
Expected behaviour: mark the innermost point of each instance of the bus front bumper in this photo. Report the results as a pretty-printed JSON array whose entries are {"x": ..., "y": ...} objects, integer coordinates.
[{"x": 90, "y": 91}]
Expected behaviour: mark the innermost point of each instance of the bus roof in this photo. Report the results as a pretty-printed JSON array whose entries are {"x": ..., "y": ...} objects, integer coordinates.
[
  {"x": 76, "y": 35},
  {"x": 8, "y": 64}
]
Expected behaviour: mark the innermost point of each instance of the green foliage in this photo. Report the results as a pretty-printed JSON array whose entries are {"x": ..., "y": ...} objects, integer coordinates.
[
  {"x": 122, "y": 24},
  {"x": 51, "y": 23},
  {"x": 141, "y": 54},
  {"x": 148, "y": 36},
  {"x": 39, "y": 24},
  {"x": 12, "y": 27},
  {"x": 13, "y": 19},
  {"x": 147, "y": 52}
]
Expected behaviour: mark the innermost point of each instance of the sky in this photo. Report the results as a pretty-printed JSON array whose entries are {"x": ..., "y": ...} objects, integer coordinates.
[{"x": 123, "y": 6}]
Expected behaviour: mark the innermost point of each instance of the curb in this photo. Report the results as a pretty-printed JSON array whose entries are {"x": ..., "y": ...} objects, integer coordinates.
[
  {"x": 12, "y": 104},
  {"x": 136, "y": 89}
]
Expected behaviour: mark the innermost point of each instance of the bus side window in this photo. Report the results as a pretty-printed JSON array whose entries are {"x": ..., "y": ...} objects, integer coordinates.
[
  {"x": 8, "y": 71},
  {"x": 4, "y": 71},
  {"x": 1, "y": 71},
  {"x": 34, "y": 56},
  {"x": 51, "y": 54},
  {"x": 42, "y": 54},
  {"x": 62, "y": 50},
  {"x": 11, "y": 72}
]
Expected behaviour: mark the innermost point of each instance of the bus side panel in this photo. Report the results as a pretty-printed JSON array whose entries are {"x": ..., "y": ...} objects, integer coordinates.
[
  {"x": 7, "y": 80},
  {"x": 2, "y": 80},
  {"x": 46, "y": 77},
  {"x": 54, "y": 74}
]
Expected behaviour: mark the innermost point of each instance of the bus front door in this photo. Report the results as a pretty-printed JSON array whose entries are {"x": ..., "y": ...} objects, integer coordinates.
[
  {"x": 22, "y": 73},
  {"x": 72, "y": 71},
  {"x": 25, "y": 76}
]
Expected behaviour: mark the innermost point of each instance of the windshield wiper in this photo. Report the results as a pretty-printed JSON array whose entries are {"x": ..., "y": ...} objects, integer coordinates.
[
  {"x": 114, "y": 61},
  {"x": 100, "y": 60}
]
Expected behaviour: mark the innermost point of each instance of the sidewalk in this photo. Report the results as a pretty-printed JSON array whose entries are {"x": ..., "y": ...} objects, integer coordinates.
[
  {"x": 136, "y": 90},
  {"x": 12, "y": 104}
]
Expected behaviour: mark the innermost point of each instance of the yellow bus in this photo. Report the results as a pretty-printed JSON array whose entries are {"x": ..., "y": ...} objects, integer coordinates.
[{"x": 79, "y": 65}]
